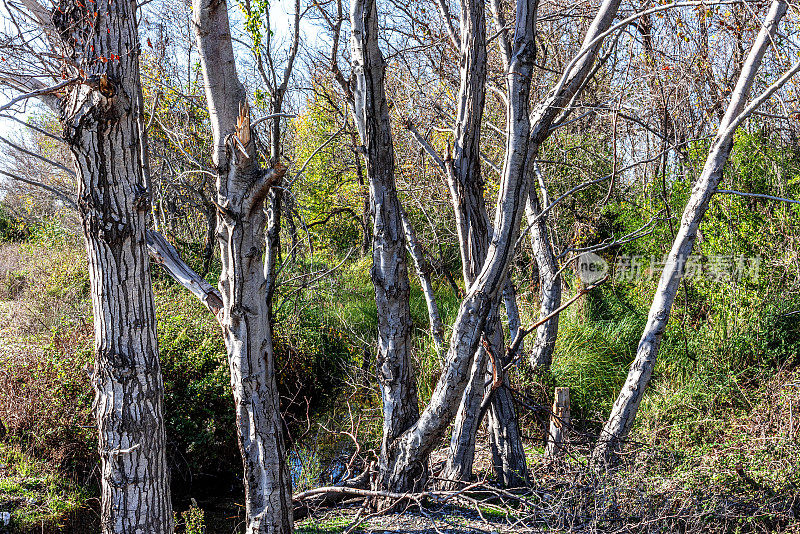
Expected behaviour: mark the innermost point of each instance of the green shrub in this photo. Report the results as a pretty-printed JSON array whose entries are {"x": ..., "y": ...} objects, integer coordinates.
[
  {"x": 192, "y": 520},
  {"x": 198, "y": 406},
  {"x": 12, "y": 228}
]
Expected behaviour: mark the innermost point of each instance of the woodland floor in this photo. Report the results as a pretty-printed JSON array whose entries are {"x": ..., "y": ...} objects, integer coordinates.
[{"x": 442, "y": 520}]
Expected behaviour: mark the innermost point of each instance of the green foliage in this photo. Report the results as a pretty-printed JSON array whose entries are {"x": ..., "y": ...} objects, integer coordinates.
[
  {"x": 591, "y": 359},
  {"x": 198, "y": 407},
  {"x": 334, "y": 525},
  {"x": 12, "y": 228},
  {"x": 192, "y": 520},
  {"x": 33, "y": 493},
  {"x": 45, "y": 395},
  {"x": 329, "y": 189},
  {"x": 320, "y": 335},
  {"x": 48, "y": 232},
  {"x": 256, "y": 13}
]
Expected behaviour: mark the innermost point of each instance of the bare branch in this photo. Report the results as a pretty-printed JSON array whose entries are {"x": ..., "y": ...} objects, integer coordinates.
[
  {"x": 62, "y": 195},
  {"x": 757, "y": 195},
  {"x": 39, "y": 92},
  {"x": 164, "y": 254},
  {"x": 37, "y": 156}
]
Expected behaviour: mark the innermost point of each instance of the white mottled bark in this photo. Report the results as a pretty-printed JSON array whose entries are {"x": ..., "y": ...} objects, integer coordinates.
[
  {"x": 164, "y": 254},
  {"x": 414, "y": 446},
  {"x": 389, "y": 270},
  {"x": 242, "y": 187},
  {"x": 624, "y": 410},
  {"x": 100, "y": 118},
  {"x": 541, "y": 355},
  {"x": 472, "y": 222},
  {"x": 423, "y": 268}
]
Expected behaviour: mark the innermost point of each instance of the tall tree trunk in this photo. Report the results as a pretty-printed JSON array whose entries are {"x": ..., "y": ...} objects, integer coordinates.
[
  {"x": 389, "y": 270},
  {"x": 101, "y": 126},
  {"x": 242, "y": 187},
  {"x": 527, "y": 130},
  {"x": 624, "y": 410},
  {"x": 541, "y": 355},
  {"x": 414, "y": 446},
  {"x": 472, "y": 223}
]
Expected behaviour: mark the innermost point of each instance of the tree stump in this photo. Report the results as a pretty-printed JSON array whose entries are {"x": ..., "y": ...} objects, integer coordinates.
[{"x": 559, "y": 422}]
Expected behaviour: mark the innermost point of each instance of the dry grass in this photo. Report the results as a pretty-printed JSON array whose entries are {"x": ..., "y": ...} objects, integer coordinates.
[{"x": 45, "y": 344}]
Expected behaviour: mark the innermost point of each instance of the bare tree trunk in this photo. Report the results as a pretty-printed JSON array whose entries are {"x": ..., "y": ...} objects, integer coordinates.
[
  {"x": 624, "y": 410},
  {"x": 465, "y": 426},
  {"x": 508, "y": 454},
  {"x": 101, "y": 126},
  {"x": 414, "y": 446},
  {"x": 242, "y": 187},
  {"x": 423, "y": 268},
  {"x": 472, "y": 222},
  {"x": 389, "y": 270},
  {"x": 541, "y": 355},
  {"x": 527, "y": 130}
]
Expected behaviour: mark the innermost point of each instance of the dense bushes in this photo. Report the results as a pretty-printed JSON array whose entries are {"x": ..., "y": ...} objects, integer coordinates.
[{"x": 46, "y": 357}]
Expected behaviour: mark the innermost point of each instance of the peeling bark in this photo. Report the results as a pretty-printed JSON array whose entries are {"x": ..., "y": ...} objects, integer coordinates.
[
  {"x": 472, "y": 223},
  {"x": 242, "y": 188},
  {"x": 414, "y": 446},
  {"x": 541, "y": 355}
]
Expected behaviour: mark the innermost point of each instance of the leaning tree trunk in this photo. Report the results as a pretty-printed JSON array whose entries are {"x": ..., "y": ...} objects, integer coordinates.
[
  {"x": 423, "y": 268},
  {"x": 472, "y": 223},
  {"x": 242, "y": 187},
  {"x": 100, "y": 118},
  {"x": 389, "y": 270},
  {"x": 624, "y": 410},
  {"x": 541, "y": 355},
  {"x": 412, "y": 449}
]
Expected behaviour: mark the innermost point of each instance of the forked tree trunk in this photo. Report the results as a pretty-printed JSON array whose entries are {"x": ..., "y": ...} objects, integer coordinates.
[
  {"x": 101, "y": 126},
  {"x": 242, "y": 187},
  {"x": 623, "y": 413},
  {"x": 408, "y": 456},
  {"x": 415, "y": 445},
  {"x": 472, "y": 223},
  {"x": 389, "y": 270}
]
